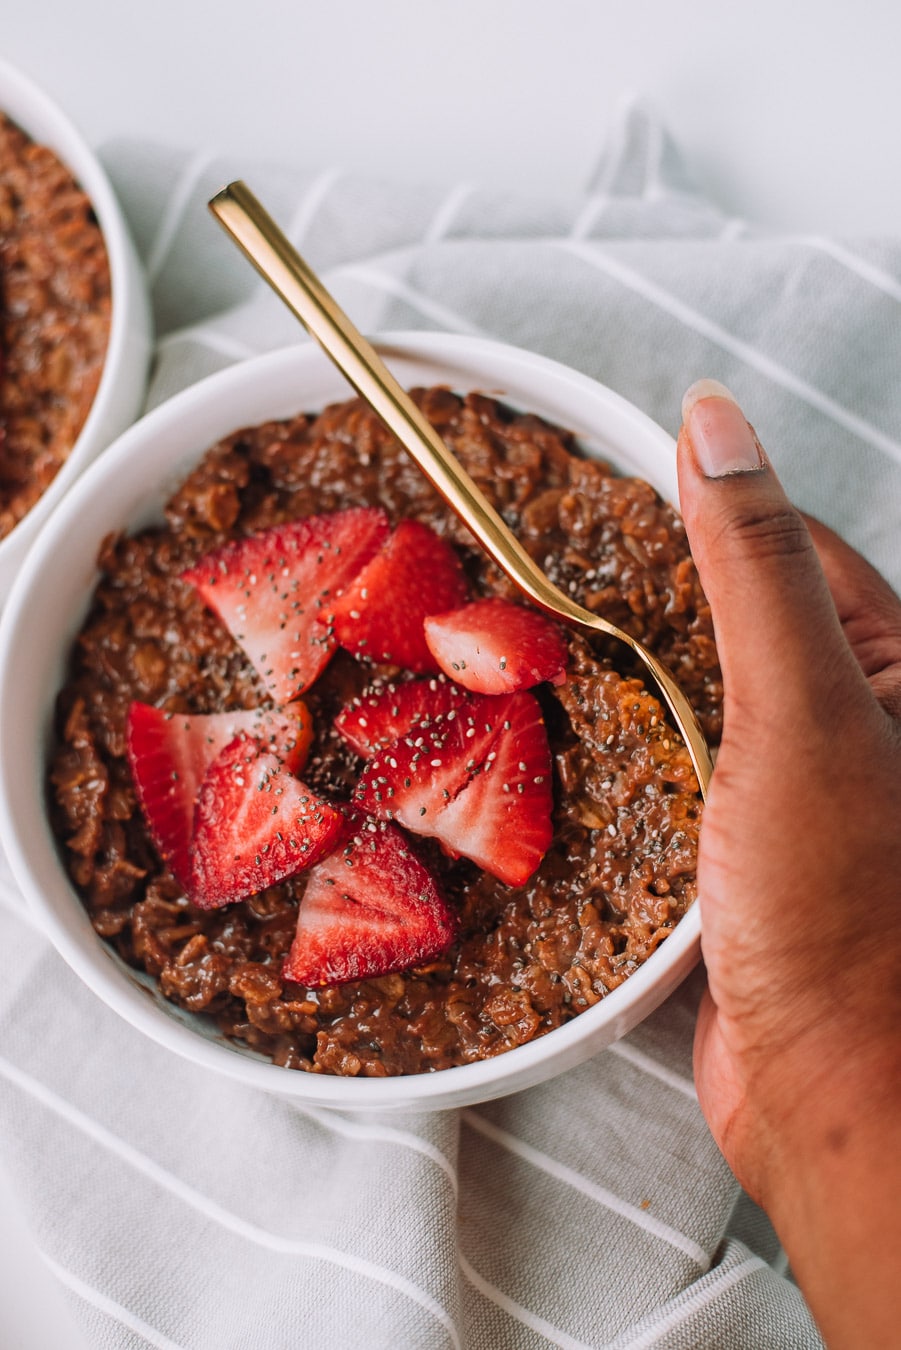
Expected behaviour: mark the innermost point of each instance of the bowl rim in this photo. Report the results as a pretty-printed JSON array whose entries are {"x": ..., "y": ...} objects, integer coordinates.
[
  {"x": 33, "y": 110},
  {"x": 96, "y": 964}
]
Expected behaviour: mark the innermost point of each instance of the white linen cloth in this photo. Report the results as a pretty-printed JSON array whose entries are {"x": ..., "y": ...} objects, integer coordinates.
[{"x": 182, "y": 1211}]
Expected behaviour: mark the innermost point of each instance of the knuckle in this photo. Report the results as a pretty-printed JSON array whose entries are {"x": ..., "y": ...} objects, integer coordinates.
[
  {"x": 766, "y": 534},
  {"x": 886, "y": 686}
]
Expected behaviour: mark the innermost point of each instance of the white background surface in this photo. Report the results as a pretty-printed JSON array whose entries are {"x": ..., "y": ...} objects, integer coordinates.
[{"x": 787, "y": 111}]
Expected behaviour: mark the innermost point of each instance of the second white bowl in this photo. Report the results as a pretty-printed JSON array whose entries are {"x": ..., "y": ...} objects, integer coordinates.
[{"x": 121, "y": 391}]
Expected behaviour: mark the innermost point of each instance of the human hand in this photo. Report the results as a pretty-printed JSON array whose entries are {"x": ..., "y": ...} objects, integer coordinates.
[{"x": 798, "y": 1045}]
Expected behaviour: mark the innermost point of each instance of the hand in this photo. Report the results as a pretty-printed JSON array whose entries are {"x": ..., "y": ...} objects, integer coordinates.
[{"x": 798, "y": 1045}]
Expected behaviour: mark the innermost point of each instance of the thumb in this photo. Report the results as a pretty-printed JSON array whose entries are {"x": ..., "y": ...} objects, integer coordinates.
[{"x": 783, "y": 654}]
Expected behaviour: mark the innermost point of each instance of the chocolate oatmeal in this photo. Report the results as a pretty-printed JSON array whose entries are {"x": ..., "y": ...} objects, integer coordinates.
[
  {"x": 54, "y": 318},
  {"x": 619, "y": 872}
]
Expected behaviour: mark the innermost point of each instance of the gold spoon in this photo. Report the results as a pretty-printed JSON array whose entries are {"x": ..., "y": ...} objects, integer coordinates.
[{"x": 278, "y": 262}]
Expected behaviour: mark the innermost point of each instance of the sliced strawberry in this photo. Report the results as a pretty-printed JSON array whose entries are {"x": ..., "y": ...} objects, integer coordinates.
[
  {"x": 384, "y": 714},
  {"x": 495, "y": 647},
  {"x": 369, "y": 908},
  {"x": 169, "y": 754},
  {"x": 379, "y": 616},
  {"x": 254, "y": 825},
  {"x": 481, "y": 784},
  {"x": 273, "y": 590}
]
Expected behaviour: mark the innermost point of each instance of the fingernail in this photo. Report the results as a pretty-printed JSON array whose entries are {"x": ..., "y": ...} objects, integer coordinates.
[{"x": 720, "y": 436}]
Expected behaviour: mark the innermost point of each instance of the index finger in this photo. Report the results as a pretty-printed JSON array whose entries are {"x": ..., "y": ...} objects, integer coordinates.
[{"x": 869, "y": 611}]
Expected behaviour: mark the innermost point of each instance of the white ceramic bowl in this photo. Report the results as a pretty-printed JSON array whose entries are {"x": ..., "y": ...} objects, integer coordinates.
[
  {"x": 120, "y": 394},
  {"x": 126, "y": 489}
]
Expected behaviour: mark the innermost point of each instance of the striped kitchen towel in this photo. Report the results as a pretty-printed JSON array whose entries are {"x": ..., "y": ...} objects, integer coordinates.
[{"x": 181, "y": 1210}]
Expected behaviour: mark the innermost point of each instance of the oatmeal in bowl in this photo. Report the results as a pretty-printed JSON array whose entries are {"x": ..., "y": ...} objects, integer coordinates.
[
  {"x": 74, "y": 326},
  {"x": 371, "y": 831}
]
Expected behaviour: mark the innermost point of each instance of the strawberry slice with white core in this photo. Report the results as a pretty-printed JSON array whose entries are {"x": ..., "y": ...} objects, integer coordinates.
[
  {"x": 169, "y": 754},
  {"x": 496, "y": 647},
  {"x": 481, "y": 785},
  {"x": 379, "y": 616},
  {"x": 384, "y": 714},
  {"x": 274, "y": 590},
  {"x": 255, "y": 824},
  {"x": 370, "y": 908}
]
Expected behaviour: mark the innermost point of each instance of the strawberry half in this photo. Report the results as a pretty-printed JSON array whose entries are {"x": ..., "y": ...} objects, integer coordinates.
[
  {"x": 495, "y": 647},
  {"x": 481, "y": 784},
  {"x": 255, "y": 824},
  {"x": 369, "y": 908},
  {"x": 379, "y": 616},
  {"x": 381, "y": 716},
  {"x": 273, "y": 590},
  {"x": 169, "y": 754}
]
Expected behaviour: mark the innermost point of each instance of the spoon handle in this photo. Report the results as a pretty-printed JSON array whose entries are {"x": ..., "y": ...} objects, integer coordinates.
[
  {"x": 276, "y": 259},
  {"x": 279, "y": 263}
]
